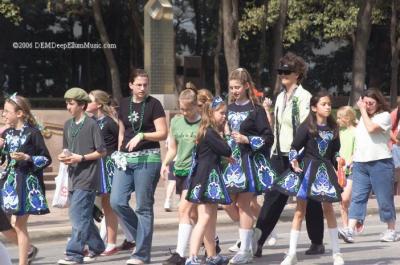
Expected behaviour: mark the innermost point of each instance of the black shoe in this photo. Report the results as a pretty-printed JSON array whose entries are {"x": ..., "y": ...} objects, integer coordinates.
[
  {"x": 258, "y": 252},
  {"x": 174, "y": 259},
  {"x": 126, "y": 245},
  {"x": 32, "y": 253},
  {"x": 315, "y": 249}
]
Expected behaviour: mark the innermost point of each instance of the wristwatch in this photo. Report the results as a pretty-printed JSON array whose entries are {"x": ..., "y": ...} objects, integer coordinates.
[{"x": 83, "y": 158}]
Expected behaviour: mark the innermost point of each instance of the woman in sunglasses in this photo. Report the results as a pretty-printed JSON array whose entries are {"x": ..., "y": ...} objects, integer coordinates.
[{"x": 291, "y": 108}]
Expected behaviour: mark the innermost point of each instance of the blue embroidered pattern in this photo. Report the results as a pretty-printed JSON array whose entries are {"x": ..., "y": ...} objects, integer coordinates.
[
  {"x": 266, "y": 174},
  {"x": 292, "y": 155},
  {"x": 256, "y": 142},
  {"x": 321, "y": 185},
  {"x": 323, "y": 141},
  {"x": 40, "y": 161}
]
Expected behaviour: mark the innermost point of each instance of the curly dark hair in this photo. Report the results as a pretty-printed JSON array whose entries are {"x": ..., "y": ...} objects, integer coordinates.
[{"x": 296, "y": 64}]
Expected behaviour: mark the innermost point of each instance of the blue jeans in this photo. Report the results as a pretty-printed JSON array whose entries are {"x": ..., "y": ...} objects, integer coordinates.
[
  {"x": 84, "y": 231},
  {"x": 376, "y": 175},
  {"x": 141, "y": 178}
]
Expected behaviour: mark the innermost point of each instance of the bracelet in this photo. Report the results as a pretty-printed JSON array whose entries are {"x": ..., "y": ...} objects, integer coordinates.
[{"x": 141, "y": 136}]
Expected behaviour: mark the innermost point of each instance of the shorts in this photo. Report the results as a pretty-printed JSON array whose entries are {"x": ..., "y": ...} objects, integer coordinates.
[
  {"x": 182, "y": 183},
  {"x": 4, "y": 222}
]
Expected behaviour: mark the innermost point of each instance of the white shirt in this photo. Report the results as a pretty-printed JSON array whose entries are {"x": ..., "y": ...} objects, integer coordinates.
[{"x": 373, "y": 146}]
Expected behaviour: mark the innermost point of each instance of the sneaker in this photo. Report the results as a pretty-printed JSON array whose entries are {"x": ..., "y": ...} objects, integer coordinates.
[
  {"x": 315, "y": 249},
  {"x": 345, "y": 235},
  {"x": 217, "y": 260},
  {"x": 126, "y": 245},
  {"x": 174, "y": 259},
  {"x": 235, "y": 247},
  {"x": 273, "y": 237},
  {"x": 90, "y": 258},
  {"x": 289, "y": 260},
  {"x": 67, "y": 261},
  {"x": 256, "y": 236},
  {"x": 167, "y": 206},
  {"x": 389, "y": 236},
  {"x": 242, "y": 257},
  {"x": 338, "y": 259},
  {"x": 109, "y": 252},
  {"x": 134, "y": 261},
  {"x": 193, "y": 261},
  {"x": 32, "y": 253}
]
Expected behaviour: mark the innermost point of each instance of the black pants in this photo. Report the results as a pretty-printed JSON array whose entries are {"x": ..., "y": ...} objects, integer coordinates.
[{"x": 273, "y": 205}]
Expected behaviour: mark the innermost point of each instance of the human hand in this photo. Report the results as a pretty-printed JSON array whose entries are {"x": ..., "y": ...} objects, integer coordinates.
[
  {"x": 295, "y": 166},
  {"x": 164, "y": 172},
  {"x": 267, "y": 104},
  {"x": 361, "y": 104},
  {"x": 19, "y": 156},
  {"x": 239, "y": 138},
  {"x": 133, "y": 143},
  {"x": 1, "y": 142},
  {"x": 72, "y": 159}
]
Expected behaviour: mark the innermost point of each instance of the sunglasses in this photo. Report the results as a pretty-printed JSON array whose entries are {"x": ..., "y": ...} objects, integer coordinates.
[{"x": 284, "y": 72}]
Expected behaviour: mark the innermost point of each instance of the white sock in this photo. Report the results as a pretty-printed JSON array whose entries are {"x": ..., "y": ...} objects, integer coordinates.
[
  {"x": 333, "y": 232},
  {"x": 246, "y": 237},
  {"x": 184, "y": 232},
  {"x": 294, "y": 237},
  {"x": 110, "y": 246},
  {"x": 103, "y": 230}
]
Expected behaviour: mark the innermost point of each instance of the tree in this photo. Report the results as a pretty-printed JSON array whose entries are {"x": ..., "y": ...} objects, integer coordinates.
[
  {"x": 362, "y": 35},
  {"x": 230, "y": 19},
  {"x": 217, "y": 51},
  {"x": 395, "y": 47},
  {"x": 112, "y": 64}
]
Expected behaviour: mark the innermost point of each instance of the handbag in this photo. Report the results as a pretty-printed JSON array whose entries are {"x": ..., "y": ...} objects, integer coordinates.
[{"x": 60, "y": 199}]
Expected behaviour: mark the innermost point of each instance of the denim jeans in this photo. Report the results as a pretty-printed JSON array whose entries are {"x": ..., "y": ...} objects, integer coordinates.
[
  {"x": 84, "y": 231},
  {"x": 141, "y": 178},
  {"x": 376, "y": 175}
]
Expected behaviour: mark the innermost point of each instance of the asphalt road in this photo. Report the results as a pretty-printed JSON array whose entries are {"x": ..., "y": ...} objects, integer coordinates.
[{"x": 366, "y": 250}]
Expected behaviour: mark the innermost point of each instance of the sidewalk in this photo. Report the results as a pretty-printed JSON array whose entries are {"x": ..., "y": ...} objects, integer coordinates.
[{"x": 56, "y": 225}]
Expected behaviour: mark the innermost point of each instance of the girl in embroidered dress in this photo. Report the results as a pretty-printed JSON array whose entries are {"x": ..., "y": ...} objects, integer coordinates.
[
  {"x": 22, "y": 186},
  {"x": 108, "y": 123},
  {"x": 315, "y": 178},
  {"x": 206, "y": 185},
  {"x": 250, "y": 140}
]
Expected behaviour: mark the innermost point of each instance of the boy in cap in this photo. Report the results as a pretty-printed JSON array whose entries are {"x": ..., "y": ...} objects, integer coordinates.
[{"x": 83, "y": 147}]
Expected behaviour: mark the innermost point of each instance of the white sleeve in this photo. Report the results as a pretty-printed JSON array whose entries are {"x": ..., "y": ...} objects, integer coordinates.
[{"x": 383, "y": 120}]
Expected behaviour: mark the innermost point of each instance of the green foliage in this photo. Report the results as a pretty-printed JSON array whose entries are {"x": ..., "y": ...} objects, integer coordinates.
[{"x": 10, "y": 11}]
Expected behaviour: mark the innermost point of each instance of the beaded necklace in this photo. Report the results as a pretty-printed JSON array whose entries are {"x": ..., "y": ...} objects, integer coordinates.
[
  {"x": 74, "y": 130},
  {"x": 133, "y": 115}
]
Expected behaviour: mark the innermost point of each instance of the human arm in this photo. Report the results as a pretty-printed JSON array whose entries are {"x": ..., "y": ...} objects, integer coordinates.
[
  {"x": 169, "y": 156},
  {"x": 121, "y": 133},
  {"x": 299, "y": 142},
  {"x": 267, "y": 104},
  {"x": 369, "y": 124},
  {"x": 217, "y": 143}
]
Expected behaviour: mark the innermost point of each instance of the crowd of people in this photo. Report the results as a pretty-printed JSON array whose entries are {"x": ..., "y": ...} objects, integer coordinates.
[{"x": 219, "y": 154}]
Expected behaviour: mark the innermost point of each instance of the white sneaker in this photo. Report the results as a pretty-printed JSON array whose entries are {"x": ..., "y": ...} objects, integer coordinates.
[
  {"x": 167, "y": 206},
  {"x": 89, "y": 259},
  {"x": 289, "y": 260},
  {"x": 66, "y": 261},
  {"x": 273, "y": 237},
  {"x": 256, "y": 236},
  {"x": 242, "y": 257},
  {"x": 235, "y": 247},
  {"x": 389, "y": 236},
  {"x": 338, "y": 259}
]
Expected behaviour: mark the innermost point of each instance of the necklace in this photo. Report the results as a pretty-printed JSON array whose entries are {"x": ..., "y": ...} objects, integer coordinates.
[
  {"x": 73, "y": 131},
  {"x": 134, "y": 116}
]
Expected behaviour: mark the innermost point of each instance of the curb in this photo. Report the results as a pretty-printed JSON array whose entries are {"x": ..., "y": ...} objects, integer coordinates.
[{"x": 44, "y": 233}]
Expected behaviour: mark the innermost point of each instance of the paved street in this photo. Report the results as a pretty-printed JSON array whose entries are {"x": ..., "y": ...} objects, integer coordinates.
[{"x": 367, "y": 250}]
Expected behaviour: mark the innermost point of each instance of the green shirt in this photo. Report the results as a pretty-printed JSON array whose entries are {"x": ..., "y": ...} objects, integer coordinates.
[
  {"x": 184, "y": 134},
  {"x": 347, "y": 143}
]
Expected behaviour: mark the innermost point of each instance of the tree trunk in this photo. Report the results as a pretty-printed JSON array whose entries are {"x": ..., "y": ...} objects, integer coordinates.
[
  {"x": 230, "y": 18},
  {"x": 277, "y": 32},
  {"x": 217, "y": 51},
  {"x": 197, "y": 24},
  {"x": 112, "y": 64},
  {"x": 363, "y": 32},
  {"x": 394, "y": 44}
]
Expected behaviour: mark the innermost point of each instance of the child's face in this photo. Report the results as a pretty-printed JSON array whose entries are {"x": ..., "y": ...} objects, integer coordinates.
[
  {"x": 237, "y": 89},
  {"x": 341, "y": 120},
  {"x": 187, "y": 109},
  {"x": 74, "y": 108},
  {"x": 92, "y": 106},
  {"x": 140, "y": 87},
  {"x": 323, "y": 107},
  {"x": 10, "y": 115},
  {"x": 220, "y": 116}
]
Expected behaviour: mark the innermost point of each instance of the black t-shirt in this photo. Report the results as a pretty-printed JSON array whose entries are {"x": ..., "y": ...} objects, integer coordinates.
[
  {"x": 152, "y": 110},
  {"x": 109, "y": 130}
]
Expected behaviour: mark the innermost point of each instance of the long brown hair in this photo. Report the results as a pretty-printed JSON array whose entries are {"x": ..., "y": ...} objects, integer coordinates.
[
  {"x": 104, "y": 99},
  {"x": 312, "y": 117},
  {"x": 22, "y": 104},
  {"x": 207, "y": 119},
  {"x": 243, "y": 76}
]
